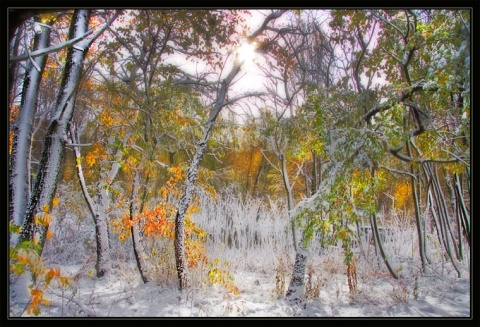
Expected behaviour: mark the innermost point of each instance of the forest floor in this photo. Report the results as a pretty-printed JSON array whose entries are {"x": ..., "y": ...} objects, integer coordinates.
[{"x": 123, "y": 294}]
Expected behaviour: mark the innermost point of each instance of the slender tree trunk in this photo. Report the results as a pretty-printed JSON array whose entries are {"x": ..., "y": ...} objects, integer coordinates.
[
  {"x": 463, "y": 213},
  {"x": 136, "y": 242},
  {"x": 98, "y": 209},
  {"x": 22, "y": 133},
  {"x": 444, "y": 213},
  {"x": 418, "y": 214},
  {"x": 247, "y": 178},
  {"x": 378, "y": 241},
  {"x": 257, "y": 176},
  {"x": 442, "y": 222},
  {"x": 288, "y": 189},
  {"x": 192, "y": 174},
  {"x": 103, "y": 264}
]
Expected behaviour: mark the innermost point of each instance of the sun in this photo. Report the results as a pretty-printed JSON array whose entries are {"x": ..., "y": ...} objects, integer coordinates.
[{"x": 246, "y": 52}]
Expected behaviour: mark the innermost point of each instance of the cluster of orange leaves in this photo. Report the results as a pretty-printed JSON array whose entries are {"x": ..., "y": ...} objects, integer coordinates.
[
  {"x": 44, "y": 218},
  {"x": 37, "y": 294},
  {"x": 42, "y": 277},
  {"x": 13, "y": 116},
  {"x": 159, "y": 221},
  {"x": 97, "y": 152},
  {"x": 25, "y": 257}
]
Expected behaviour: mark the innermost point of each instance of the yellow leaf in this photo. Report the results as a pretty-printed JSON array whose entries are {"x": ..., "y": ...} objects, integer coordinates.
[
  {"x": 45, "y": 208},
  {"x": 55, "y": 202},
  {"x": 90, "y": 159},
  {"x": 36, "y": 238}
]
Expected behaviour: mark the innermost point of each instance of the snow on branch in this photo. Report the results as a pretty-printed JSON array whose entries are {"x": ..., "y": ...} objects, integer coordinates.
[
  {"x": 58, "y": 47},
  {"x": 53, "y": 48}
]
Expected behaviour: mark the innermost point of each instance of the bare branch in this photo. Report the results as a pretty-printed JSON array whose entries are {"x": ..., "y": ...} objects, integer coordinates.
[{"x": 53, "y": 48}]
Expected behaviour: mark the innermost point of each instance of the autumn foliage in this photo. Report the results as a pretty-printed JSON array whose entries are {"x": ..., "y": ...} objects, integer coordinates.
[{"x": 158, "y": 222}]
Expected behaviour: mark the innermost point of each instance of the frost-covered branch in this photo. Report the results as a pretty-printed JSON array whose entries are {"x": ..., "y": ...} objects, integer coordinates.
[
  {"x": 66, "y": 44},
  {"x": 397, "y": 171},
  {"x": 78, "y": 159},
  {"x": 89, "y": 312},
  {"x": 243, "y": 96},
  {"x": 404, "y": 94},
  {"x": 53, "y": 48},
  {"x": 271, "y": 164}
]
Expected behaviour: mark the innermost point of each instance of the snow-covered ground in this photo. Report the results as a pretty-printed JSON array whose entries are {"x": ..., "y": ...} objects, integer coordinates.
[
  {"x": 118, "y": 298},
  {"x": 256, "y": 257},
  {"x": 124, "y": 295}
]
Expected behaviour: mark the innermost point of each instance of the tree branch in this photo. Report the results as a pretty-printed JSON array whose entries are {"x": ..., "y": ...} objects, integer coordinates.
[{"x": 53, "y": 48}]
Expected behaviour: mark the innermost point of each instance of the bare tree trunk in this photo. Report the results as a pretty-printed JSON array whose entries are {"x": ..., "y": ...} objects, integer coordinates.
[
  {"x": 22, "y": 134},
  {"x": 288, "y": 189},
  {"x": 442, "y": 222},
  {"x": 192, "y": 174},
  {"x": 296, "y": 288},
  {"x": 257, "y": 176},
  {"x": 103, "y": 265},
  {"x": 463, "y": 213},
  {"x": 418, "y": 214},
  {"x": 378, "y": 241},
  {"x": 98, "y": 210},
  {"x": 136, "y": 242}
]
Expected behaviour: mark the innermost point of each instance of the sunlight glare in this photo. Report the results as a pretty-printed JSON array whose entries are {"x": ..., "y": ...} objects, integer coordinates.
[{"x": 246, "y": 52}]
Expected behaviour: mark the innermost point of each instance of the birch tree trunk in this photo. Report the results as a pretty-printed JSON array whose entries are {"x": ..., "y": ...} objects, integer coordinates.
[
  {"x": 22, "y": 134},
  {"x": 296, "y": 288}
]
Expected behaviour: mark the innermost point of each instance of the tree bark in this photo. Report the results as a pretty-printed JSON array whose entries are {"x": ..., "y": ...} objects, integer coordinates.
[
  {"x": 22, "y": 134},
  {"x": 439, "y": 207},
  {"x": 288, "y": 189},
  {"x": 296, "y": 288},
  {"x": 418, "y": 215},
  {"x": 464, "y": 216},
  {"x": 378, "y": 241},
  {"x": 98, "y": 210},
  {"x": 136, "y": 242}
]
